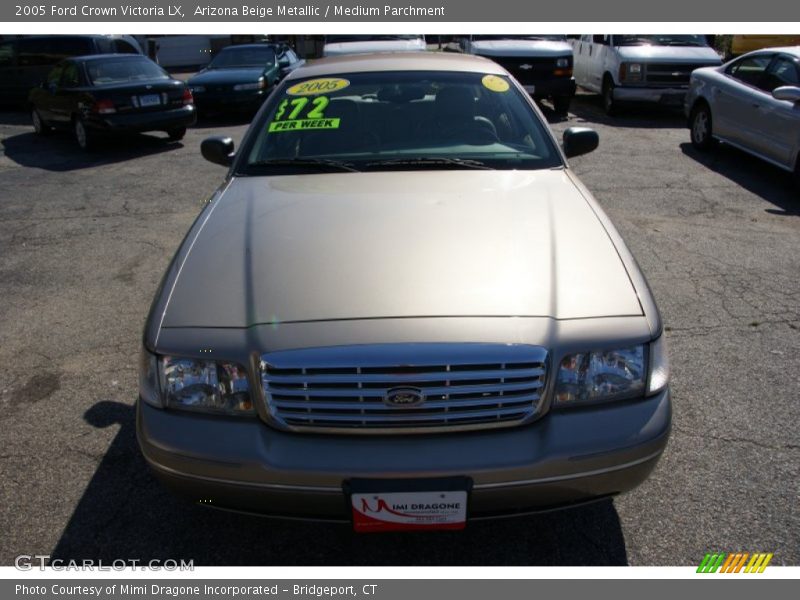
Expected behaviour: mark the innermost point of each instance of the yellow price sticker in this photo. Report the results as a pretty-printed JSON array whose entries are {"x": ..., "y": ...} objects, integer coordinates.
[
  {"x": 495, "y": 83},
  {"x": 313, "y": 87}
]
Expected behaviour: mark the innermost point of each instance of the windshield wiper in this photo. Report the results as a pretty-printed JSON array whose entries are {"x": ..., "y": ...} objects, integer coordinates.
[
  {"x": 319, "y": 163},
  {"x": 423, "y": 161}
]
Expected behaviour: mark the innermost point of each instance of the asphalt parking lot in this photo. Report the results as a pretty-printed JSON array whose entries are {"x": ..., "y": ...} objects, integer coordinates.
[{"x": 84, "y": 240}]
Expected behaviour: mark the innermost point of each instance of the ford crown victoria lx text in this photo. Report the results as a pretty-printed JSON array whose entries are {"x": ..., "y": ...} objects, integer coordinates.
[{"x": 402, "y": 309}]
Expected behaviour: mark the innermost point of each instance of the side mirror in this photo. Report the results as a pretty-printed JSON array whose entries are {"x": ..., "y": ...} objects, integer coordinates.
[
  {"x": 580, "y": 140},
  {"x": 218, "y": 149},
  {"x": 789, "y": 93}
]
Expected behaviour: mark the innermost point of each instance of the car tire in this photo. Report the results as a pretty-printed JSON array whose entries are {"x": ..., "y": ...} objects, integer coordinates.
[
  {"x": 561, "y": 104},
  {"x": 83, "y": 135},
  {"x": 176, "y": 133},
  {"x": 39, "y": 126},
  {"x": 609, "y": 104},
  {"x": 700, "y": 126}
]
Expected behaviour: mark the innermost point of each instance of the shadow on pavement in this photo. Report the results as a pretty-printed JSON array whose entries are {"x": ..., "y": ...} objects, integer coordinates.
[
  {"x": 59, "y": 151},
  {"x": 756, "y": 176},
  {"x": 216, "y": 120},
  {"x": 125, "y": 514},
  {"x": 589, "y": 108}
]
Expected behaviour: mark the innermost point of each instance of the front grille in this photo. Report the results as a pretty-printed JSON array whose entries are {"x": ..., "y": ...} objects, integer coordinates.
[
  {"x": 671, "y": 74},
  {"x": 344, "y": 388},
  {"x": 528, "y": 70}
]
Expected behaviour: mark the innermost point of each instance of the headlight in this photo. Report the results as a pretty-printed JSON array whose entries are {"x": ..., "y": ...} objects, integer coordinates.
[
  {"x": 197, "y": 88},
  {"x": 205, "y": 386},
  {"x": 240, "y": 87},
  {"x": 631, "y": 72},
  {"x": 148, "y": 379},
  {"x": 659, "y": 366},
  {"x": 601, "y": 375},
  {"x": 562, "y": 63}
]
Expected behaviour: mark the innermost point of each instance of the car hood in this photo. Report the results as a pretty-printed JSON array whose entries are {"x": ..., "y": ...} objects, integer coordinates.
[
  {"x": 240, "y": 75},
  {"x": 669, "y": 54},
  {"x": 521, "y": 48},
  {"x": 371, "y": 245},
  {"x": 417, "y": 45}
]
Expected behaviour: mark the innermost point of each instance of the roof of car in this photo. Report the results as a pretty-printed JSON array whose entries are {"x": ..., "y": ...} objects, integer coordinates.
[
  {"x": 397, "y": 61},
  {"x": 91, "y": 57},
  {"x": 793, "y": 50},
  {"x": 254, "y": 45}
]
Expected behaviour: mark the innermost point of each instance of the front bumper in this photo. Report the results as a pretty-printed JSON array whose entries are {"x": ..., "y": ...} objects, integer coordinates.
[
  {"x": 162, "y": 120},
  {"x": 567, "y": 457},
  {"x": 666, "y": 96},
  {"x": 551, "y": 88}
]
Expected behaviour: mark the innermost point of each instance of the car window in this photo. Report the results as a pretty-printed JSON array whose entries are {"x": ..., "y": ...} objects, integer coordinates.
[
  {"x": 750, "y": 69},
  {"x": 123, "y": 70},
  {"x": 69, "y": 77},
  {"x": 6, "y": 54},
  {"x": 371, "y": 119},
  {"x": 54, "y": 76},
  {"x": 44, "y": 51},
  {"x": 243, "y": 57},
  {"x": 123, "y": 47},
  {"x": 781, "y": 72},
  {"x": 660, "y": 40}
]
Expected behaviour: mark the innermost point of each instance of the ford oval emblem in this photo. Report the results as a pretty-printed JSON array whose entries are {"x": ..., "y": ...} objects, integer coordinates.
[{"x": 404, "y": 397}]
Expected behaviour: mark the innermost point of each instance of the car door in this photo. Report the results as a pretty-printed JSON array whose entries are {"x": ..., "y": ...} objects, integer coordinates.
[
  {"x": 580, "y": 51},
  {"x": 597, "y": 58},
  {"x": 45, "y": 97},
  {"x": 778, "y": 121},
  {"x": 65, "y": 97},
  {"x": 736, "y": 99}
]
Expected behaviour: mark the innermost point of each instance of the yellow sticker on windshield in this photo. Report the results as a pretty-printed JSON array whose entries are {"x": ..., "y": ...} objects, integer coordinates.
[
  {"x": 495, "y": 83},
  {"x": 317, "y": 86}
]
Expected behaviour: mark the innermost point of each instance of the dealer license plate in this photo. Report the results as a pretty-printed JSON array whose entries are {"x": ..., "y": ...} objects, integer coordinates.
[
  {"x": 409, "y": 511},
  {"x": 150, "y": 100}
]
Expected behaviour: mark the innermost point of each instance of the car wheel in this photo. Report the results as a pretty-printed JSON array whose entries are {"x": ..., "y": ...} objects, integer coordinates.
[
  {"x": 561, "y": 104},
  {"x": 39, "y": 126},
  {"x": 609, "y": 104},
  {"x": 700, "y": 127},
  {"x": 176, "y": 133},
  {"x": 83, "y": 135}
]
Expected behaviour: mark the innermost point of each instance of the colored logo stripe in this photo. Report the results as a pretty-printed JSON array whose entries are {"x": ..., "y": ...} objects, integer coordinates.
[{"x": 733, "y": 563}]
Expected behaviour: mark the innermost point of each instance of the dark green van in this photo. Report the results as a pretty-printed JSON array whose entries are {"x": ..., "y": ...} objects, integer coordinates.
[{"x": 26, "y": 60}]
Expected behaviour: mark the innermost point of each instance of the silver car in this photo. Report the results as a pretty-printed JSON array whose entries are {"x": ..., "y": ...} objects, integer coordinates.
[
  {"x": 401, "y": 308},
  {"x": 752, "y": 103}
]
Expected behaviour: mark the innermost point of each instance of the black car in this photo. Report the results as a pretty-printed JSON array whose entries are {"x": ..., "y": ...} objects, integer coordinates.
[
  {"x": 26, "y": 61},
  {"x": 95, "y": 95},
  {"x": 240, "y": 78}
]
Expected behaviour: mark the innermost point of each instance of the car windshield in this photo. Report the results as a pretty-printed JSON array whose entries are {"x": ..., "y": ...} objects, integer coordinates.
[
  {"x": 660, "y": 40},
  {"x": 243, "y": 57},
  {"x": 338, "y": 39},
  {"x": 399, "y": 120},
  {"x": 533, "y": 37},
  {"x": 123, "y": 70}
]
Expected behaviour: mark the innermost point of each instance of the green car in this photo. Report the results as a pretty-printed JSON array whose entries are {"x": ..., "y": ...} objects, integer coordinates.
[{"x": 241, "y": 77}]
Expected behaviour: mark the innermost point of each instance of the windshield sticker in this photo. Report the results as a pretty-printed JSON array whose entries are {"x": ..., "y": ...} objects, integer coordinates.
[
  {"x": 312, "y": 87},
  {"x": 301, "y": 113},
  {"x": 303, "y": 124},
  {"x": 495, "y": 83}
]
